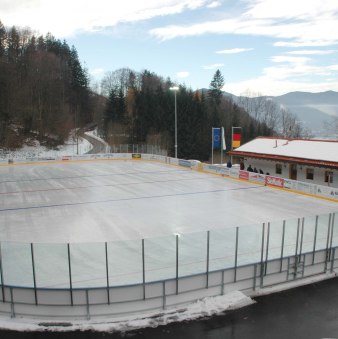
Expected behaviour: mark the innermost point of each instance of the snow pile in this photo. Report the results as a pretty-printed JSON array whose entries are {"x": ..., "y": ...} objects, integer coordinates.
[{"x": 202, "y": 308}]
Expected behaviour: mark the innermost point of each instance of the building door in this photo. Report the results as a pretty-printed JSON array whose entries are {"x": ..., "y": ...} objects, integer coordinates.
[{"x": 293, "y": 171}]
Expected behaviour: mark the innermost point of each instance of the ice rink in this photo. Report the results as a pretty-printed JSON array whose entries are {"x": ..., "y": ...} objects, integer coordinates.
[{"x": 109, "y": 200}]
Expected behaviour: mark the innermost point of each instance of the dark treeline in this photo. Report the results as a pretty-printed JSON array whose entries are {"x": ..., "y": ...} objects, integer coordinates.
[
  {"x": 44, "y": 90},
  {"x": 141, "y": 106}
]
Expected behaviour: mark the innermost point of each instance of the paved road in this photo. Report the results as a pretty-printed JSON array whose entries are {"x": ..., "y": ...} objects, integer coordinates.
[
  {"x": 309, "y": 312},
  {"x": 98, "y": 146}
]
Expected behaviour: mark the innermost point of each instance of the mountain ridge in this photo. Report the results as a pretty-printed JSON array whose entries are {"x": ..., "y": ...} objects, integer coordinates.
[{"x": 314, "y": 110}]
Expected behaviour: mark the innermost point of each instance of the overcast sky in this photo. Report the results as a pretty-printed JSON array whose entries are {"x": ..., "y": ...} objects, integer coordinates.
[{"x": 269, "y": 47}]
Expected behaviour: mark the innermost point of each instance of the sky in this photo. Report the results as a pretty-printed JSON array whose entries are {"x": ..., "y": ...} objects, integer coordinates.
[{"x": 267, "y": 47}]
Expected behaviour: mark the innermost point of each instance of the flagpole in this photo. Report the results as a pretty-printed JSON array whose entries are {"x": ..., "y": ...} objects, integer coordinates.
[
  {"x": 222, "y": 141},
  {"x": 232, "y": 140},
  {"x": 212, "y": 145}
]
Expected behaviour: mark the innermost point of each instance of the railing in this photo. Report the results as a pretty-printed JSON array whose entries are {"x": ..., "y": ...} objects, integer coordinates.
[
  {"x": 40, "y": 274},
  {"x": 138, "y": 148}
]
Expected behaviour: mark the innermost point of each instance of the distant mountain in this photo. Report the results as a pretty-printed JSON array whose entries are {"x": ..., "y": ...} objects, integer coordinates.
[{"x": 312, "y": 109}]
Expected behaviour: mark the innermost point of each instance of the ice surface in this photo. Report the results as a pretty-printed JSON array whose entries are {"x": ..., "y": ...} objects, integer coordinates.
[
  {"x": 109, "y": 200},
  {"x": 107, "y": 206}
]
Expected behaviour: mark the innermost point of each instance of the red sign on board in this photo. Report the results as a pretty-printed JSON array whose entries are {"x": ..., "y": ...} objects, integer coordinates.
[
  {"x": 274, "y": 181},
  {"x": 244, "y": 175}
]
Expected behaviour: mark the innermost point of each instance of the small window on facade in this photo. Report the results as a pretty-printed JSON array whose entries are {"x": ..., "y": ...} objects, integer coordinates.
[
  {"x": 278, "y": 168},
  {"x": 309, "y": 173},
  {"x": 329, "y": 176}
]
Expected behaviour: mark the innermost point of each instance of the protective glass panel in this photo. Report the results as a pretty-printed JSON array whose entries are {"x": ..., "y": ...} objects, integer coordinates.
[
  {"x": 192, "y": 254},
  {"x": 322, "y": 231},
  {"x": 51, "y": 265},
  {"x": 160, "y": 258},
  {"x": 250, "y": 244},
  {"x": 275, "y": 240},
  {"x": 335, "y": 230},
  {"x": 309, "y": 230},
  {"x": 17, "y": 264},
  {"x": 125, "y": 262},
  {"x": 88, "y": 265},
  {"x": 222, "y": 249},
  {"x": 290, "y": 237}
]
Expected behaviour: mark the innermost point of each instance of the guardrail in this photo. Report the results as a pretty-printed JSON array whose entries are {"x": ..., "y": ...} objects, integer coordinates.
[{"x": 87, "y": 303}]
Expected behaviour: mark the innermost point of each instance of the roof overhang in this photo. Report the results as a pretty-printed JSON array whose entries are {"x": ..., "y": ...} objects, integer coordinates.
[{"x": 308, "y": 162}]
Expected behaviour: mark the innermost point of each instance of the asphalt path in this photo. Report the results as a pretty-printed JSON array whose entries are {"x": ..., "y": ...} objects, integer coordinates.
[
  {"x": 98, "y": 146},
  {"x": 308, "y": 312}
]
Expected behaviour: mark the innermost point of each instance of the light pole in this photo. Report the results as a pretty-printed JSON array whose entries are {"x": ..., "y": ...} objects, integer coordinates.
[{"x": 175, "y": 89}]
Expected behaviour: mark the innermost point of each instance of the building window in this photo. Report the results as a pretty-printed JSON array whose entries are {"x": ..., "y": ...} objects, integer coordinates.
[
  {"x": 329, "y": 176},
  {"x": 309, "y": 173},
  {"x": 278, "y": 168}
]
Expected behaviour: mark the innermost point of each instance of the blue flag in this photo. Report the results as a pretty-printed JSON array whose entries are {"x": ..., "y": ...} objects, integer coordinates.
[{"x": 216, "y": 132}]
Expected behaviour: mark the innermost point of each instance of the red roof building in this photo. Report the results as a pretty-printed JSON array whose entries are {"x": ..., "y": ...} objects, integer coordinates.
[{"x": 308, "y": 160}]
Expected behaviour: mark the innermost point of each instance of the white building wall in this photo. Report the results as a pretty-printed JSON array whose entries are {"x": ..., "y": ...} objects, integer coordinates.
[{"x": 269, "y": 166}]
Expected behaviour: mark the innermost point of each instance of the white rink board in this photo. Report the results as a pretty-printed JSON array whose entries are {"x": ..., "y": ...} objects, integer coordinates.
[{"x": 110, "y": 200}]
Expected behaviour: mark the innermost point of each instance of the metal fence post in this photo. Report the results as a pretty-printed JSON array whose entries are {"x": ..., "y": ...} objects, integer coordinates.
[
  {"x": 87, "y": 304},
  {"x": 12, "y": 303},
  {"x": 34, "y": 276},
  {"x": 297, "y": 238},
  {"x": 2, "y": 275},
  {"x": 236, "y": 254},
  {"x": 255, "y": 275},
  {"x": 208, "y": 250},
  {"x": 107, "y": 272},
  {"x": 176, "y": 263},
  {"x": 301, "y": 239},
  {"x": 332, "y": 227},
  {"x": 70, "y": 275},
  {"x": 333, "y": 259},
  {"x": 296, "y": 251},
  {"x": 328, "y": 242},
  {"x": 262, "y": 254},
  {"x": 267, "y": 249},
  {"x": 164, "y": 295},
  {"x": 143, "y": 271},
  {"x": 315, "y": 241},
  {"x": 282, "y": 248}
]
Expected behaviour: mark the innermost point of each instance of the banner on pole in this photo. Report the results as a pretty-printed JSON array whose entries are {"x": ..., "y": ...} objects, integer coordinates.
[
  {"x": 236, "y": 137},
  {"x": 216, "y": 142},
  {"x": 224, "y": 146}
]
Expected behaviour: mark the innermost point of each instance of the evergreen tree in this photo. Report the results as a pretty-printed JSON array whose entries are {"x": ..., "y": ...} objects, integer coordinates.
[{"x": 215, "y": 88}]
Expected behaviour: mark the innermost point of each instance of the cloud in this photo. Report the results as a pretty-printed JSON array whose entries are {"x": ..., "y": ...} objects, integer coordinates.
[
  {"x": 96, "y": 72},
  {"x": 268, "y": 86},
  {"x": 290, "y": 59},
  {"x": 183, "y": 74},
  {"x": 295, "y": 22},
  {"x": 312, "y": 52},
  {"x": 213, "y": 66},
  {"x": 234, "y": 50},
  {"x": 214, "y": 4},
  {"x": 289, "y": 73},
  {"x": 64, "y": 18}
]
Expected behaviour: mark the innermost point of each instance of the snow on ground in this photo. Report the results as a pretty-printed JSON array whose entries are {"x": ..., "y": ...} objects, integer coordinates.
[
  {"x": 202, "y": 308},
  {"x": 71, "y": 147}
]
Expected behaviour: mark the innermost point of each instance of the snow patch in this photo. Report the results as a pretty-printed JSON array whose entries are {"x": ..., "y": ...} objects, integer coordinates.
[{"x": 202, "y": 308}]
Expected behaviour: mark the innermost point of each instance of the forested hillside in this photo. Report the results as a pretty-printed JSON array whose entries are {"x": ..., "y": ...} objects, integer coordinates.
[
  {"x": 141, "y": 109},
  {"x": 44, "y": 90},
  {"x": 44, "y": 94}
]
